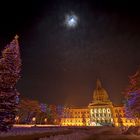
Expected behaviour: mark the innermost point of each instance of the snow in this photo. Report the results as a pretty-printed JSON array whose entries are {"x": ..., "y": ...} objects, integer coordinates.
[
  {"x": 133, "y": 130},
  {"x": 78, "y": 133},
  {"x": 73, "y": 136},
  {"x": 97, "y": 133},
  {"x": 30, "y": 131}
]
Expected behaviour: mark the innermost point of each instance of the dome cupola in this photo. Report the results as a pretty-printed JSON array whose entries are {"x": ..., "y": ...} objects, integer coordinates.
[{"x": 100, "y": 94}]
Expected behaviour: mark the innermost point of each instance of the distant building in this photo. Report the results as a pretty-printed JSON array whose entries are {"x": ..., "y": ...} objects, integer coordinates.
[{"x": 99, "y": 112}]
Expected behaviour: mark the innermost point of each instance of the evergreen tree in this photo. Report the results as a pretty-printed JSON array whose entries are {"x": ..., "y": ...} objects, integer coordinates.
[
  {"x": 10, "y": 66},
  {"x": 132, "y": 95}
]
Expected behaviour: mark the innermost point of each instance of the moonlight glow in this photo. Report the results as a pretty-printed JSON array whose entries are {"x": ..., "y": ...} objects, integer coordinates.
[{"x": 71, "y": 20}]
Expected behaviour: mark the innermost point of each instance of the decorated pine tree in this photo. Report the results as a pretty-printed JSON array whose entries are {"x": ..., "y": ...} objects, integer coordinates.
[
  {"x": 132, "y": 95},
  {"x": 10, "y": 66}
]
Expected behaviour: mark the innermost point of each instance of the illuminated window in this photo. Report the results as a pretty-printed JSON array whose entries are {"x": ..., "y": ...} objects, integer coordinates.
[
  {"x": 108, "y": 110},
  {"x": 95, "y": 110},
  {"x": 104, "y": 110}
]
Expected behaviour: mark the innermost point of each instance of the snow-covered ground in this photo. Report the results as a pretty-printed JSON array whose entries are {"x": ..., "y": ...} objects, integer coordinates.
[
  {"x": 30, "y": 131},
  {"x": 73, "y": 136},
  {"x": 77, "y": 133},
  {"x": 82, "y": 134},
  {"x": 100, "y": 133}
]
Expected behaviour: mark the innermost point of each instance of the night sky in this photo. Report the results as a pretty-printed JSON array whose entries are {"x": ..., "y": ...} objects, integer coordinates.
[{"x": 61, "y": 64}]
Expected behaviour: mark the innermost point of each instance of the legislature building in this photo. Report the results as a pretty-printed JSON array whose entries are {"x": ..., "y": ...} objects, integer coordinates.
[{"x": 101, "y": 111}]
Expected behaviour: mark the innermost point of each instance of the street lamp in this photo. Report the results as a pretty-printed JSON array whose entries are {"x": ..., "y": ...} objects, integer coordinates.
[
  {"x": 45, "y": 120},
  {"x": 33, "y": 119},
  {"x": 17, "y": 119}
]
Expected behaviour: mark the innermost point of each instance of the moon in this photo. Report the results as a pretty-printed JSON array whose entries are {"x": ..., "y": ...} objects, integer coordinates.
[{"x": 71, "y": 20}]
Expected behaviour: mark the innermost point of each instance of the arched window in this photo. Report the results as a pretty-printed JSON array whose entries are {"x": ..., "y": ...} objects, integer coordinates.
[
  {"x": 104, "y": 110},
  {"x": 95, "y": 110},
  {"x": 108, "y": 109}
]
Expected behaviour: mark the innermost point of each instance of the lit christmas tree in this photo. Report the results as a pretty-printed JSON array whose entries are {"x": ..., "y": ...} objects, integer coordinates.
[
  {"x": 132, "y": 95},
  {"x": 10, "y": 66}
]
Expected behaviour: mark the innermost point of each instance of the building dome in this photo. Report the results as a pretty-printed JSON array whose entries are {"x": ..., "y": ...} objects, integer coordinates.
[{"x": 100, "y": 94}]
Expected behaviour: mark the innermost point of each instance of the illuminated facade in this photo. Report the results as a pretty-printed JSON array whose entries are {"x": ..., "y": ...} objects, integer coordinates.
[
  {"x": 99, "y": 112},
  {"x": 76, "y": 117}
]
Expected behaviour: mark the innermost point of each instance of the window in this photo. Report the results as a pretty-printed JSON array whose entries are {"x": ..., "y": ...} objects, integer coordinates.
[
  {"x": 108, "y": 110},
  {"x": 95, "y": 110},
  {"x": 104, "y": 110}
]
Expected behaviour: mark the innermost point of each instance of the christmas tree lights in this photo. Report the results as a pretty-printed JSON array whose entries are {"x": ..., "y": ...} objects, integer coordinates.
[{"x": 10, "y": 67}]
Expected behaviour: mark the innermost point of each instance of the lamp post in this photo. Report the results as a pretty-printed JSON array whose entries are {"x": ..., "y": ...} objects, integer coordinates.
[
  {"x": 17, "y": 119},
  {"x": 45, "y": 120},
  {"x": 34, "y": 120}
]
